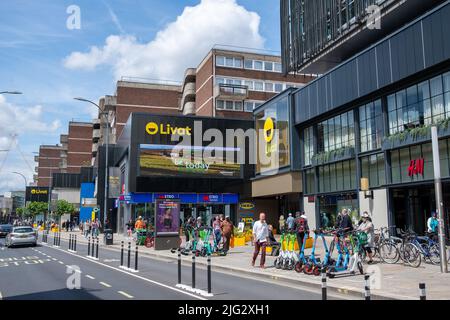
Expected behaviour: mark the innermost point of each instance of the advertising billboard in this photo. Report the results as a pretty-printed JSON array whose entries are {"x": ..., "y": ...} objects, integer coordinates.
[
  {"x": 176, "y": 161},
  {"x": 37, "y": 194},
  {"x": 167, "y": 217}
]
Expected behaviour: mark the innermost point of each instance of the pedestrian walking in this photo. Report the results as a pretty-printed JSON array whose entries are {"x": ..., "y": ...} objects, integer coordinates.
[
  {"x": 302, "y": 229},
  {"x": 368, "y": 228},
  {"x": 281, "y": 224},
  {"x": 290, "y": 221},
  {"x": 260, "y": 237},
  {"x": 227, "y": 229},
  {"x": 217, "y": 230}
]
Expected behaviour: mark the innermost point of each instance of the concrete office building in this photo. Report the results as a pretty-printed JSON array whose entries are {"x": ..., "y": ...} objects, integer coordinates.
[{"x": 370, "y": 117}]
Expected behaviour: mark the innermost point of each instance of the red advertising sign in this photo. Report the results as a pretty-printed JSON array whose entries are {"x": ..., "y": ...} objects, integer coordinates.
[{"x": 416, "y": 167}]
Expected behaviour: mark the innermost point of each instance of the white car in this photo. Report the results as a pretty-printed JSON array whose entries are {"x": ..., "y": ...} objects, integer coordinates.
[{"x": 21, "y": 236}]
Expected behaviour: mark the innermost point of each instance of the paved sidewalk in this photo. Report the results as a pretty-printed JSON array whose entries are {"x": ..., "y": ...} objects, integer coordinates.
[{"x": 396, "y": 282}]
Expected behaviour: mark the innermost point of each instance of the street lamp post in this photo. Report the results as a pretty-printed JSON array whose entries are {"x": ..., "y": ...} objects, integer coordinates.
[
  {"x": 24, "y": 179},
  {"x": 106, "y": 189}
]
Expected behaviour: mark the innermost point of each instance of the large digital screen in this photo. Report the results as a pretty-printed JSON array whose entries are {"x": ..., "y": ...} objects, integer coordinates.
[
  {"x": 167, "y": 216},
  {"x": 170, "y": 160}
]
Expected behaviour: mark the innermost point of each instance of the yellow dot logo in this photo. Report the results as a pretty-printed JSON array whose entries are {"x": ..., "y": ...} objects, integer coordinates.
[
  {"x": 151, "y": 128},
  {"x": 269, "y": 130}
]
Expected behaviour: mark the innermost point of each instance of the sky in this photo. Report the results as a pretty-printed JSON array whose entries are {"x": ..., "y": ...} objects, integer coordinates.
[{"x": 55, "y": 50}]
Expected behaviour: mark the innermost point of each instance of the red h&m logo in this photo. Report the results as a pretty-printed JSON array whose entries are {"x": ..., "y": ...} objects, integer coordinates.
[{"x": 416, "y": 167}]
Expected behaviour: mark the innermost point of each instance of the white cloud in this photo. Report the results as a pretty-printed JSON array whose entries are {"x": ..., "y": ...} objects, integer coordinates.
[
  {"x": 23, "y": 122},
  {"x": 181, "y": 44}
]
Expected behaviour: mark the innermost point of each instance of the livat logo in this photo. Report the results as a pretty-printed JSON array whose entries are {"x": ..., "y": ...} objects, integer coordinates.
[
  {"x": 37, "y": 191},
  {"x": 269, "y": 130},
  {"x": 153, "y": 128}
]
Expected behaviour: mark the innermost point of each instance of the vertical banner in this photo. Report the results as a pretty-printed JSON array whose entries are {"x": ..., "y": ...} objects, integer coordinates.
[{"x": 167, "y": 217}]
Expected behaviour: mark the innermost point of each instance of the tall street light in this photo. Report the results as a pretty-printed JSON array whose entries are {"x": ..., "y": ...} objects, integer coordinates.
[
  {"x": 24, "y": 178},
  {"x": 106, "y": 194}
]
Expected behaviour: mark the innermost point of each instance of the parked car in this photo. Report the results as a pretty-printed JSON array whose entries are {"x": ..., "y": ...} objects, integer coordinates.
[
  {"x": 5, "y": 229},
  {"x": 21, "y": 236}
]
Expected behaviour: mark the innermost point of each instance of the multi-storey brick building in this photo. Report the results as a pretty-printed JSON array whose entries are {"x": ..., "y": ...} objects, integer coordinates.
[
  {"x": 49, "y": 161},
  {"x": 79, "y": 146}
]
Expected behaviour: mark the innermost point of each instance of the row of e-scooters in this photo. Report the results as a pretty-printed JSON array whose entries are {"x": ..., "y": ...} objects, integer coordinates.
[
  {"x": 199, "y": 243},
  {"x": 348, "y": 260}
]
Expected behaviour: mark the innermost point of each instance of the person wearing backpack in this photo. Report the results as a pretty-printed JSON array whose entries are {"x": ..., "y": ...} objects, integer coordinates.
[
  {"x": 301, "y": 228},
  {"x": 367, "y": 227}
]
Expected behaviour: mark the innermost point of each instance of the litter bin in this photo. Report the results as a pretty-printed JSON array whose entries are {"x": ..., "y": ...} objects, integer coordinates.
[{"x": 108, "y": 237}]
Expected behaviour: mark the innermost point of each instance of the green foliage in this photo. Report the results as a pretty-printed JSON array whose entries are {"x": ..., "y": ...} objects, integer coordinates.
[
  {"x": 64, "y": 207},
  {"x": 327, "y": 156},
  {"x": 23, "y": 212},
  {"x": 35, "y": 208},
  {"x": 419, "y": 132}
]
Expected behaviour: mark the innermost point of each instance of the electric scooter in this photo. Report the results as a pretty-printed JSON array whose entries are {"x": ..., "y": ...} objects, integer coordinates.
[
  {"x": 282, "y": 254},
  {"x": 349, "y": 265},
  {"x": 291, "y": 258},
  {"x": 302, "y": 258},
  {"x": 314, "y": 264},
  {"x": 189, "y": 245}
]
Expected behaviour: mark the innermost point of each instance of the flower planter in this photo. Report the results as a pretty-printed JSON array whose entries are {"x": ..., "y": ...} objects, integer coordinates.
[
  {"x": 333, "y": 156},
  {"x": 239, "y": 242}
]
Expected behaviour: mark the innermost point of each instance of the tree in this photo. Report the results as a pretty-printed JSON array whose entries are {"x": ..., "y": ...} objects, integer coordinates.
[
  {"x": 23, "y": 212},
  {"x": 64, "y": 207},
  {"x": 35, "y": 208}
]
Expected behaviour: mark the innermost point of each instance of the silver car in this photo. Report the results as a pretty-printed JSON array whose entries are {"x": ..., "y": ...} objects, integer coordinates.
[{"x": 21, "y": 236}]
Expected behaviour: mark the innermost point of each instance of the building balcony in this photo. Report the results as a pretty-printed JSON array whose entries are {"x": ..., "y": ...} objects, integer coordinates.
[
  {"x": 189, "y": 108},
  {"x": 188, "y": 95},
  {"x": 36, "y": 169},
  {"x": 36, "y": 158},
  {"x": 96, "y": 124},
  {"x": 230, "y": 92},
  {"x": 110, "y": 103},
  {"x": 94, "y": 147},
  {"x": 96, "y": 135}
]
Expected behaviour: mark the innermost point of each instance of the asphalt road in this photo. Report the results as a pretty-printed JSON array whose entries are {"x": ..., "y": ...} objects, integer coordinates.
[{"x": 42, "y": 273}]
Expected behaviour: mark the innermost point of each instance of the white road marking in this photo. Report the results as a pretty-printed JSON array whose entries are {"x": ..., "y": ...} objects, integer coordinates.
[
  {"x": 125, "y": 294},
  {"x": 135, "y": 275},
  {"x": 105, "y": 284},
  {"x": 90, "y": 277},
  {"x": 54, "y": 259},
  {"x": 1, "y": 296},
  {"x": 60, "y": 262}
]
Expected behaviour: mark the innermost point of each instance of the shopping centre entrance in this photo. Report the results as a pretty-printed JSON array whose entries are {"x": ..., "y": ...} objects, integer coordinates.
[{"x": 411, "y": 207}]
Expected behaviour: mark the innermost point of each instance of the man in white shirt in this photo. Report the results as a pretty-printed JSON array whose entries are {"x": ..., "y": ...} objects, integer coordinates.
[{"x": 260, "y": 235}]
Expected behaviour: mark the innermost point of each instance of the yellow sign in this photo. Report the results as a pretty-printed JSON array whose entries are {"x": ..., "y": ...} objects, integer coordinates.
[
  {"x": 153, "y": 128},
  {"x": 93, "y": 216},
  {"x": 39, "y": 191},
  {"x": 247, "y": 205},
  {"x": 269, "y": 130}
]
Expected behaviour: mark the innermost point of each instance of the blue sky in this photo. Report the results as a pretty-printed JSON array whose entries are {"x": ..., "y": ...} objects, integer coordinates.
[{"x": 51, "y": 64}]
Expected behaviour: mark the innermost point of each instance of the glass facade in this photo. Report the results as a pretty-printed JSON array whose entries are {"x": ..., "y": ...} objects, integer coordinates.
[
  {"x": 308, "y": 135},
  {"x": 278, "y": 110},
  {"x": 421, "y": 104},
  {"x": 401, "y": 162},
  {"x": 371, "y": 126},
  {"x": 339, "y": 176},
  {"x": 372, "y": 167},
  {"x": 336, "y": 133}
]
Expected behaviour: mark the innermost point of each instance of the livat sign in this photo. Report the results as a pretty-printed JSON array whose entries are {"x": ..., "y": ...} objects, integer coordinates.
[{"x": 416, "y": 167}]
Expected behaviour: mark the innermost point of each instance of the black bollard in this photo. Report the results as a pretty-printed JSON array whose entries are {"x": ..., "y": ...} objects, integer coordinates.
[
  {"x": 54, "y": 240},
  {"x": 121, "y": 254},
  {"x": 70, "y": 242},
  {"x": 75, "y": 243},
  {"x": 89, "y": 246},
  {"x": 367, "y": 287},
  {"x": 96, "y": 254},
  {"x": 324, "y": 284},
  {"x": 422, "y": 291},
  {"x": 129, "y": 254},
  {"x": 136, "y": 259},
  {"x": 193, "y": 271},
  {"x": 209, "y": 274},
  {"x": 179, "y": 267}
]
